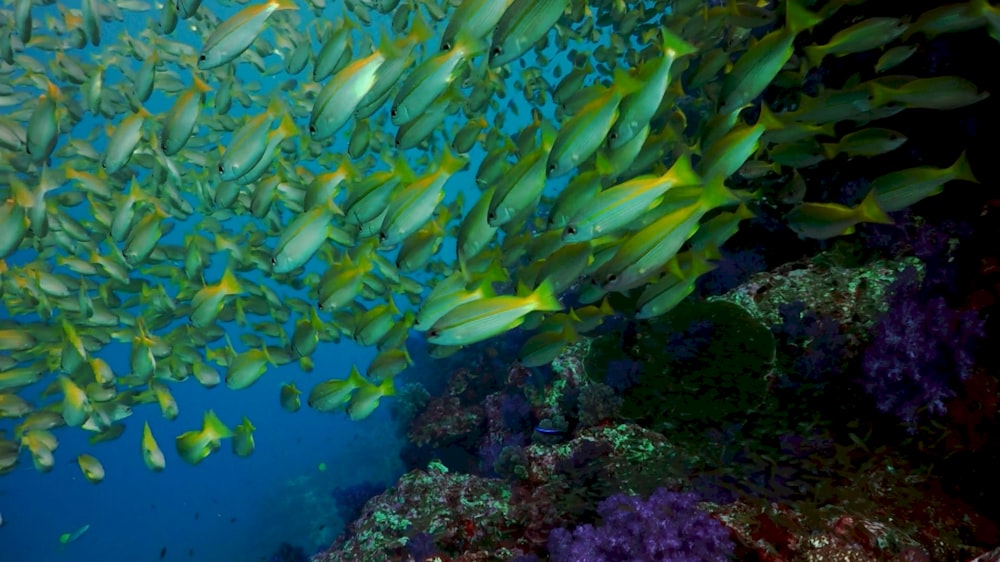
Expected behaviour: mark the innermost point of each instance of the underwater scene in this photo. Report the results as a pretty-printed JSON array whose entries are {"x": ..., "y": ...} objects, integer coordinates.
[{"x": 499, "y": 280}]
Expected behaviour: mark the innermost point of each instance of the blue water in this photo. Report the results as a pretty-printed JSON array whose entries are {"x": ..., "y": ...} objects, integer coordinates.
[{"x": 226, "y": 508}]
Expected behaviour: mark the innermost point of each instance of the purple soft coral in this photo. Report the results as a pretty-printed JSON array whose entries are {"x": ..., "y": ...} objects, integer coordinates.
[
  {"x": 921, "y": 348},
  {"x": 668, "y": 527}
]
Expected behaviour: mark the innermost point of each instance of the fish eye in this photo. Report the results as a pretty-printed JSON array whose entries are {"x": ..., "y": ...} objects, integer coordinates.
[
  {"x": 393, "y": 112},
  {"x": 312, "y": 129},
  {"x": 202, "y": 57},
  {"x": 552, "y": 167},
  {"x": 491, "y": 216},
  {"x": 497, "y": 51},
  {"x": 433, "y": 333},
  {"x": 222, "y": 169},
  {"x": 612, "y": 278},
  {"x": 382, "y": 236},
  {"x": 274, "y": 261},
  {"x": 613, "y": 136},
  {"x": 571, "y": 230},
  {"x": 446, "y": 46}
]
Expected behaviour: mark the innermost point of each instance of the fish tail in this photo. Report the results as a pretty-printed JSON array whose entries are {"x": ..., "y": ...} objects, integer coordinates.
[
  {"x": 869, "y": 211},
  {"x": 831, "y": 149},
  {"x": 545, "y": 297},
  {"x": 769, "y": 119},
  {"x": 682, "y": 172},
  {"x": 387, "y": 388},
  {"x": 420, "y": 31},
  {"x": 673, "y": 267},
  {"x": 355, "y": 379},
  {"x": 815, "y": 54},
  {"x": 961, "y": 170},
  {"x": 674, "y": 43},
  {"x": 275, "y": 108},
  {"x": 451, "y": 163},
  {"x": 798, "y": 18},
  {"x": 716, "y": 194},
  {"x": 214, "y": 427},
  {"x": 494, "y": 272},
  {"x": 605, "y": 307},
  {"x": 880, "y": 95},
  {"x": 287, "y": 126},
  {"x": 709, "y": 254},
  {"x": 625, "y": 82},
  {"x": 200, "y": 84},
  {"x": 52, "y": 90},
  {"x": 402, "y": 169},
  {"x": 473, "y": 45},
  {"x": 230, "y": 284}
]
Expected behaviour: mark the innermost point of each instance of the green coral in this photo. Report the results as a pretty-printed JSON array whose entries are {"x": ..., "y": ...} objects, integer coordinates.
[{"x": 824, "y": 286}]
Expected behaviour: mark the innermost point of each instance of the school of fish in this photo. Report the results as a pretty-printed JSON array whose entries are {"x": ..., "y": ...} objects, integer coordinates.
[{"x": 305, "y": 162}]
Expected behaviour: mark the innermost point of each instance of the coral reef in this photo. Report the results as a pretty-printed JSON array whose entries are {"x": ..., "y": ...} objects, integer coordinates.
[{"x": 666, "y": 527}]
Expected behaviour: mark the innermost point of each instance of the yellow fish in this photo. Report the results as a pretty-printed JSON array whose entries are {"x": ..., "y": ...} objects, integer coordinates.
[
  {"x": 207, "y": 302},
  {"x": 243, "y": 443},
  {"x": 76, "y": 405},
  {"x": 366, "y": 399},
  {"x": 237, "y": 33},
  {"x": 329, "y": 395},
  {"x": 484, "y": 318},
  {"x": 151, "y": 452},
  {"x": 92, "y": 468},
  {"x": 290, "y": 397},
  {"x": 194, "y": 446}
]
